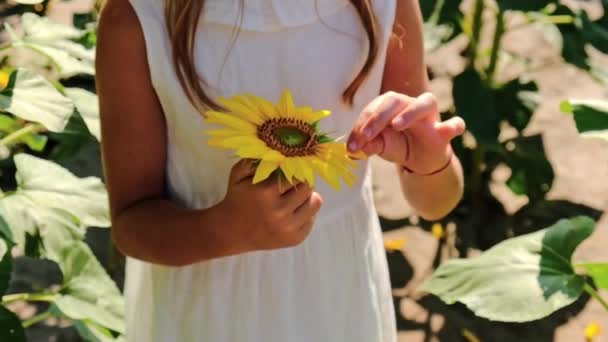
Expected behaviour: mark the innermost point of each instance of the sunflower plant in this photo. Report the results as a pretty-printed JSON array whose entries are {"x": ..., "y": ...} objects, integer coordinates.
[{"x": 282, "y": 139}]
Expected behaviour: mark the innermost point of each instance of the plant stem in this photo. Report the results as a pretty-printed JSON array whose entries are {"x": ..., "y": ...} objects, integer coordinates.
[
  {"x": 6, "y": 46},
  {"x": 18, "y": 134},
  {"x": 498, "y": 33},
  {"x": 591, "y": 291},
  {"x": 476, "y": 29},
  {"x": 36, "y": 319},
  {"x": 32, "y": 297}
]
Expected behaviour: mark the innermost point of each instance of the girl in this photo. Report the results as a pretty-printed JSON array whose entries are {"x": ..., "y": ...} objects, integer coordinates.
[{"x": 212, "y": 257}]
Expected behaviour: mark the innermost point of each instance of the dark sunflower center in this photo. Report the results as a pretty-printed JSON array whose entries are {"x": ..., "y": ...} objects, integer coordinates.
[{"x": 291, "y": 137}]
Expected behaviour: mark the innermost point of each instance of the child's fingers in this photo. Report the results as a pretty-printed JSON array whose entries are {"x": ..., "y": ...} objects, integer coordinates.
[
  {"x": 297, "y": 196},
  {"x": 308, "y": 209},
  {"x": 391, "y": 106},
  {"x": 368, "y": 111},
  {"x": 375, "y": 146},
  {"x": 242, "y": 170},
  {"x": 451, "y": 128},
  {"x": 422, "y": 107}
]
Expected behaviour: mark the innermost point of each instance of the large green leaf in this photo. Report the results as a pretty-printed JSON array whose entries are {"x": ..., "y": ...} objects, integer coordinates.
[
  {"x": 591, "y": 117},
  {"x": 87, "y": 105},
  {"x": 598, "y": 271},
  {"x": 49, "y": 185},
  {"x": 518, "y": 280},
  {"x": 93, "y": 332},
  {"x": 52, "y": 202},
  {"x": 58, "y": 43},
  {"x": 531, "y": 172},
  {"x": 474, "y": 102},
  {"x": 10, "y": 327},
  {"x": 516, "y": 101},
  {"x": 88, "y": 292},
  {"x": 33, "y": 98},
  {"x": 595, "y": 32},
  {"x": 54, "y": 227}
]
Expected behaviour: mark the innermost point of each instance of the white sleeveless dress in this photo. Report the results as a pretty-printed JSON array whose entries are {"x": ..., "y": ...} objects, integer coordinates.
[{"x": 335, "y": 286}]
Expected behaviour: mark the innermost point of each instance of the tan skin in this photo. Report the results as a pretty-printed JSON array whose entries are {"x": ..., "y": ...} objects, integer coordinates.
[{"x": 270, "y": 217}]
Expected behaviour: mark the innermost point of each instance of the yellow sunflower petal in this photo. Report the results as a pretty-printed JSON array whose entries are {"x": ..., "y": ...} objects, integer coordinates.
[
  {"x": 265, "y": 168},
  {"x": 238, "y": 141},
  {"x": 331, "y": 178},
  {"x": 286, "y": 105},
  {"x": 307, "y": 170},
  {"x": 288, "y": 169},
  {"x": 231, "y": 121},
  {"x": 241, "y": 110},
  {"x": 312, "y": 117},
  {"x": 252, "y": 151},
  {"x": 273, "y": 155},
  {"x": 264, "y": 106}
]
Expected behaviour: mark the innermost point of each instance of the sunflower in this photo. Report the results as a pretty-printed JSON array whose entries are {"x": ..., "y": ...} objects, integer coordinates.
[{"x": 282, "y": 138}]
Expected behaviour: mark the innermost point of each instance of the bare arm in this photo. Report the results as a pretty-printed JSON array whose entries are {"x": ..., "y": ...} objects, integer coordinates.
[
  {"x": 405, "y": 72},
  {"x": 145, "y": 224}
]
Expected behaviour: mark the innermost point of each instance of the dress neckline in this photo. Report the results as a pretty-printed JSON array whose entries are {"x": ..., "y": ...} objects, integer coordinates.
[{"x": 268, "y": 15}]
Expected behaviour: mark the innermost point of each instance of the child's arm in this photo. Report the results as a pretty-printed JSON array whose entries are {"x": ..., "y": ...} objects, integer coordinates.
[
  {"x": 144, "y": 224},
  {"x": 421, "y": 142}
]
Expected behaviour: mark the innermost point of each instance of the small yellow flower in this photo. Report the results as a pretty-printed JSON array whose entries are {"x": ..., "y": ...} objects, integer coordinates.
[
  {"x": 281, "y": 137},
  {"x": 394, "y": 244},
  {"x": 592, "y": 330},
  {"x": 438, "y": 231},
  {"x": 4, "y": 77}
]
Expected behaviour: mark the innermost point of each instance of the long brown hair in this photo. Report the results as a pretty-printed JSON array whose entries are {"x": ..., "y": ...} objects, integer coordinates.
[{"x": 182, "y": 17}]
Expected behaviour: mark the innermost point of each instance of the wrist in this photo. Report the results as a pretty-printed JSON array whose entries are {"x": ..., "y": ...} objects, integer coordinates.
[
  {"x": 444, "y": 166},
  {"x": 222, "y": 220}
]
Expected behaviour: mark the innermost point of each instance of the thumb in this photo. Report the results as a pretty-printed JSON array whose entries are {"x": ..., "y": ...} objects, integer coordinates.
[{"x": 451, "y": 128}]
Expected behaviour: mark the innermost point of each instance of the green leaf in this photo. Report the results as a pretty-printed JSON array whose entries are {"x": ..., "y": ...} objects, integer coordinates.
[
  {"x": 524, "y": 6},
  {"x": 56, "y": 187},
  {"x": 595, "y": 32},
  {"x": 58, "y": 43},
  {"x": 88, "y": 292},
  {"x": 93, "y": 332},
  {"x": 6, "y": 258},
  {"x": 474, "y": 103},
  {"x": 518, "y": 280},
  {"x": 532, "y": 173},
  {"x": 87, "y": 105},
  {"x": 10, "y": 327},
  {"x": 33, "y": 98},
  {"x": 53, "y": 202},
  {"x": 591, "y": 117},
  {"x": 517, "y": 101},
  {"x": 6, "y": 265},
  {"x": 598, "y": 271}
]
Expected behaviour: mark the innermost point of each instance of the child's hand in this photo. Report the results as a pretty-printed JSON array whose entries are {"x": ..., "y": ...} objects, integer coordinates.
[
  {"x": 268, "y": 215},
  {"x": 407, "y": 131}
]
